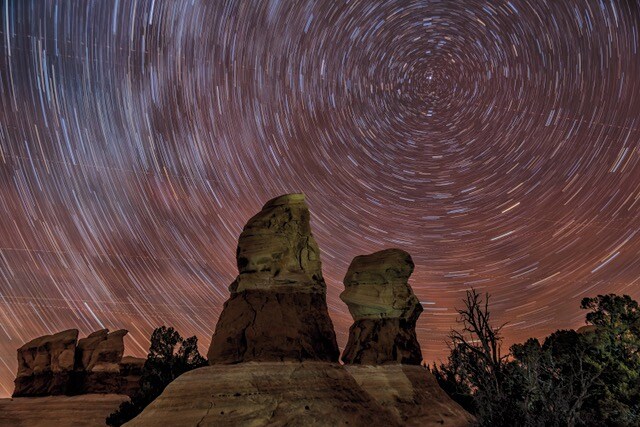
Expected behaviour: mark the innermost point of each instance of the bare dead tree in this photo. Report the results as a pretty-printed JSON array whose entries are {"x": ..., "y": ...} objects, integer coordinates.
[{"x": 478, "y": 346}]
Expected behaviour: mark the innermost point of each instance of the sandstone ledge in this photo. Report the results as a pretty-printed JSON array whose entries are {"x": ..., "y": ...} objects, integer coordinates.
[
  {"x": 303, "y": 394},
  {"x": 88, "y": 410},
  {"x": 411, "y": 394}
]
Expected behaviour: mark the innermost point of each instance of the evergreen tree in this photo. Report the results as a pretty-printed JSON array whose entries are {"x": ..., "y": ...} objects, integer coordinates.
[{"x": 169, "y": 357}]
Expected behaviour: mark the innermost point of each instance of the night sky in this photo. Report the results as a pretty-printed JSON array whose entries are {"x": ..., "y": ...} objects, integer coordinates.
[{"x": 496, "y": 141}]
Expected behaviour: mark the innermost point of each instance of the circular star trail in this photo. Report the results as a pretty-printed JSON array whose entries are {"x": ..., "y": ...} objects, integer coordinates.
[{"x": 497, "y": 142}]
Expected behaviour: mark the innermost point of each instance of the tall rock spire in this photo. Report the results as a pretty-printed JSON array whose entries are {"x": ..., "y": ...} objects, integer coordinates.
[{"x": 277, "y": 309}]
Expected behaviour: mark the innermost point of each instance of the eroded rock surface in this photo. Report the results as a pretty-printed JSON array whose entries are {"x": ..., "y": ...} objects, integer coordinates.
[
  {"x": 277, "y": 309},
  {"x": 108, "y": 353},
  {"x": 45, "y": 364},
  {"x": 260, "y": 394},
  {"x": 276, "y": 250},
  {"x": 86, "y": 347},
  {"x": 411, "y": 394},
  {"x": 60, "y": 364},
  {"x": 89, "y": 410},
  {"x": 131, "y": 371},
  {"x": 384, "y": 308},
  {"x": 304, "y": 394}
]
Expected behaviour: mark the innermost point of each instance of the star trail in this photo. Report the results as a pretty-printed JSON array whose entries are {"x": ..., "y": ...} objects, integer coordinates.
[{"x": 496, "y": 141}]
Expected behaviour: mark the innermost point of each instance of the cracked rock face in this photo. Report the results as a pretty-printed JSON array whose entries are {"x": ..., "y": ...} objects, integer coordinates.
[
  {"x": 277, "y": 309},
  {"x": 384, "y": 309},
  {"x": 276, "y": 250}
]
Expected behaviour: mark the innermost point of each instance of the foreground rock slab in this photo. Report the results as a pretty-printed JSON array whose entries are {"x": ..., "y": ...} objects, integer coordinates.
[
  {"x": 277, "y": 310},
  {"x": 384, "y": 309},
  {"x": 304, "y": 394},
  {"x": 260, "y": 394},
  {"x": 411, "y": 394},
  {"x": 88, "y": 410}
]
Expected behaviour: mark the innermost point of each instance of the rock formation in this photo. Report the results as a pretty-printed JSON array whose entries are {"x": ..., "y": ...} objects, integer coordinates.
[
  {"x": 131, "y": 371},
  {"x": 87, "y": 410},
  {"x": 276, "y": 330},
  {"x": 104, "y": 352},
  {"x": 411, "y": 394},
  {"x": 86, "y": 347},
  {"x": 304, "y": 394},
  {"x": 277, "y": 309},
  {"x": 265, "y": 393},
  {"x": 45, "y": 364},
  {"x": 61, "y": 364},
  {"x": 384, "y": 310}
]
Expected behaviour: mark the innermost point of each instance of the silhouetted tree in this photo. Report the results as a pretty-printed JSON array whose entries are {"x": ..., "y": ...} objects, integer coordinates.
[
  {"x": 590, "y": 377},
  {"x": 169, "y": 357},
  {"x": 616, "y": 340},
  {"x": 475, "y": 372}
]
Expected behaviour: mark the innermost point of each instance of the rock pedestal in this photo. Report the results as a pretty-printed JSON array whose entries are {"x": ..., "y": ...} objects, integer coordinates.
[
  {"x": 277, "y": 310},
  {"x": 384, "y": 310}
]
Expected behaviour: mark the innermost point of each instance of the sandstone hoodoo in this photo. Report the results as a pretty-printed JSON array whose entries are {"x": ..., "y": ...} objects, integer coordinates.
[
  {"x": 277, "y": 310},
  {"x": 60, "y": 364},
  {"x": 384, "y": 308},
  {"x": 276, "y": 332},
  {"x": 45, "y": 364}
]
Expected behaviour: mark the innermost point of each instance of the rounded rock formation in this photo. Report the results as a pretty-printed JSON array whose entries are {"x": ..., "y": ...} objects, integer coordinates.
[
  {"x": 60, "y": 364},
  {"x": 265, "y": 394},
  {"x": 304, "y": 394},
  {"x": 384, "y": 308},
  {"x": 276, "y": 250},
  {"x": 45, "y": 364},
  {"x": 277, "y": 309}
]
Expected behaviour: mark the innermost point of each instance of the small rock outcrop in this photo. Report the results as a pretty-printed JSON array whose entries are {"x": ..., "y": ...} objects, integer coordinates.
[
  {"x": 384, "y": 308},
  {"x": 46, "y": 364},
  {"x": 60, "y": 364},
  {"x": 277, "y": 310}
]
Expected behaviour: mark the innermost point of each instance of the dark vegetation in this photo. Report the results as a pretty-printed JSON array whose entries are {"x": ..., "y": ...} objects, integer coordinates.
[
  {"x": 169, "y": 356},
  {"x": 586, "y": 378}
]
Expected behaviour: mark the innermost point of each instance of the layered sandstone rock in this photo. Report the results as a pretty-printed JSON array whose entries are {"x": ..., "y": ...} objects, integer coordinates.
[
  {"x": 61, "y": 364},
  {"x": 384, "y": 309},
  {"x": 45, "y": 364},
  {"x": 267, "y": 393},
  {"x": 277, "y": 309},
  {"x": 108, "y": 353},
  {"x": 89, "y": 410},
  {"x": 102, "y": 374},
  {"x": 276, "y": 250},
  {"x": 411, "y": 394},
  {"x": 131, "y": 371},
  {"x": 304, "y": 394},
  {"x": 277, "y": 342},
  {"x": 87, "y": 346}
]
